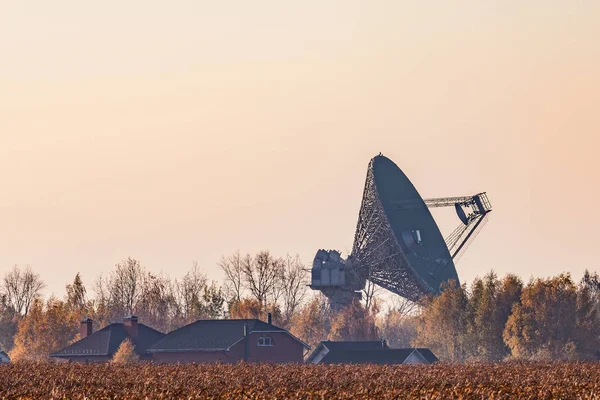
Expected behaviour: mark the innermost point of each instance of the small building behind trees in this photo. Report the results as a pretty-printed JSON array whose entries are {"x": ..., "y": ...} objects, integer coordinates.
[{"x": 368, "y": 352}]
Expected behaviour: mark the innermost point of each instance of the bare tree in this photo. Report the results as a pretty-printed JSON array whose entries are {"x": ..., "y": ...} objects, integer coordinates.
[
  {"x": 157, "y": 305},
  {"x": 293, "y": 284},
  {"x": 190, "y": 291},
  {"x": 312, "y": 322},
  {"x": 20, "y": 288},
  {"x": 232, "y": 266},
  {"x": 370, "y": 294},
  {"x": 403, "y": 306},
  {"x": 398, "y": 330},
  {"x": 399, "y": 323},
  {"x": 261, "y": 275},
  {"x": 102, "y": 298},
  {"x": 278, "y": 290},
  {"x": 126, "y": 285},
  {"x": 196, "y": 299}
]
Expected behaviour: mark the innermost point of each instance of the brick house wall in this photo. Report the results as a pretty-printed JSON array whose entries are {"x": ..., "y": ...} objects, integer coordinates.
[
  {"x": 199, "y": 357},
  {"x": 285, "y": 349},
  {"x": 82, "y": 359},
  {"x": 92, "y": 358}
]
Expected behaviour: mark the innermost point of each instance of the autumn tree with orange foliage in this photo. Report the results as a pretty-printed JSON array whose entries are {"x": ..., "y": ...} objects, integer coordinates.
[
  {"x": 553, "y": 321},
  {"x": 355, "y": 322},
  {"x": 398, "y": 325},
  {"x": 250, "y": 308},
  {"x": 125, "y": 354},
  {"x": 312, "y": 322},
  {"x": 490, "y": 304},
  {"x": 47, "y": 328},
  {"x": 443, "y": 323}
]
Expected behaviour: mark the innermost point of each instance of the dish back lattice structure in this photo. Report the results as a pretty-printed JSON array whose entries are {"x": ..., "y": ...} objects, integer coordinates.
[{"x": 397, "y": 244}]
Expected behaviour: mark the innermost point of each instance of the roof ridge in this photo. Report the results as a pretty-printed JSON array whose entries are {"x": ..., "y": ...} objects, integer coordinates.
[
  {"x": 352, "y": 341},
  {"x": 151, "y": 328},
  {"x": 230, "y": 319},
  {"x": 217, "y": 333}
]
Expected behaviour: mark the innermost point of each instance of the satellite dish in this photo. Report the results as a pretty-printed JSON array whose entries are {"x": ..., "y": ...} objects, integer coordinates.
[{"x": 397, "y": 244}]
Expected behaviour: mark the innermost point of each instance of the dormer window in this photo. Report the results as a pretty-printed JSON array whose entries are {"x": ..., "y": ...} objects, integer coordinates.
[{"x": 265, "y": 341}]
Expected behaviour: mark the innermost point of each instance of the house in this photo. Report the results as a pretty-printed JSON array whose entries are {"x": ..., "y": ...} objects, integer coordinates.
[
  {"x": 370, "y": 352},
  {"x": 229, "y": 341},
  {"x": 327, "y": 346},
  {"x": 101, "y": 345},
  {"x": 4, "y": 358}
]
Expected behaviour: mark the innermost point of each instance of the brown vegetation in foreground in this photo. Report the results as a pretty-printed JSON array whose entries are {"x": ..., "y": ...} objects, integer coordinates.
[{"x": 491, "y": 381}]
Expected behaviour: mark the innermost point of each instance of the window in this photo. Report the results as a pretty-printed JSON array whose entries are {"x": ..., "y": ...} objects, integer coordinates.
[{"x": 265, "y": 341}]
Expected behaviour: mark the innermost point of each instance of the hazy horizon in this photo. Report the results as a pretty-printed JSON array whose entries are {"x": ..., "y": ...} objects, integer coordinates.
[{"x": 181, "y": 133}]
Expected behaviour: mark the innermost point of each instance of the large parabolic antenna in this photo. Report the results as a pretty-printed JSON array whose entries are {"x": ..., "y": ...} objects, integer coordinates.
[{"x": 397, "y": 244}]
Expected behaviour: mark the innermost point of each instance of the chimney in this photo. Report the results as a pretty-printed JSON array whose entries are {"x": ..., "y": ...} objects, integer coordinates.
[
  {"x": 269, "y": 319},
  {"x": 130, "y": 324},
  {"x": 85, "y": 328},
  {"x": 246, "y": 342}
]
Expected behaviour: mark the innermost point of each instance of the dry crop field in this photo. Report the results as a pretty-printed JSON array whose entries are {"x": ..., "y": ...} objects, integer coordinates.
[{"x": 493, "y": 381}]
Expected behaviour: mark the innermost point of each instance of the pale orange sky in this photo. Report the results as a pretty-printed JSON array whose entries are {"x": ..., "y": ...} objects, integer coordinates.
[{"x": 181, "y": 132}]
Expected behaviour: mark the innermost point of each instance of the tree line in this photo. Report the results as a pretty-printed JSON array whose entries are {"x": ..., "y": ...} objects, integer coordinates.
[
  {"x": 32, "y": 327},
  {"x": 499, "y": 319},
  {"x": 492, "y": 319}
]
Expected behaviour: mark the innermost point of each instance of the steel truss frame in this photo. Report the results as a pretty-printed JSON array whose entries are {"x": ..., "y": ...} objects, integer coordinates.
[
  {"x": 463, "y": 236},
  {"x": 376, "y": 248}
]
